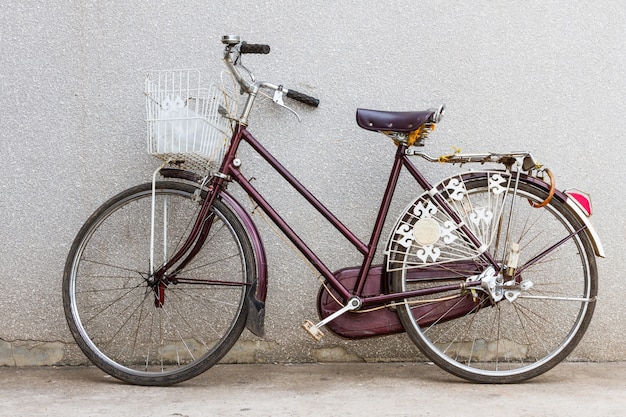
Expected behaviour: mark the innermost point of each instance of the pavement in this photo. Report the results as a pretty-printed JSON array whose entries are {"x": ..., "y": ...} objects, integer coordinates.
[{"x": 347, "y": 389}]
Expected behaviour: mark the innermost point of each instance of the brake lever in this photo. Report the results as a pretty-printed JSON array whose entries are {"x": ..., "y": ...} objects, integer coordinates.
[{"x": 278, "y": 99}]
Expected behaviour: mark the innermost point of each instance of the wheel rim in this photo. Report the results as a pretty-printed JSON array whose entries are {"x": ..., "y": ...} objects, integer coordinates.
[
  {"x": 516, "y": 340},
  {"x": 113, "y": 305}
]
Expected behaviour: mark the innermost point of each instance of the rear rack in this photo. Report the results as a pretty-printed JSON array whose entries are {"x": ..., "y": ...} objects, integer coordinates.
[{"x": 523, "y": 159}]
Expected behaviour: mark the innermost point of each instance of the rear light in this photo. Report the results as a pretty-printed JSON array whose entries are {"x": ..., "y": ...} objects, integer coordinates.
[{"x": 582, "y": 200}]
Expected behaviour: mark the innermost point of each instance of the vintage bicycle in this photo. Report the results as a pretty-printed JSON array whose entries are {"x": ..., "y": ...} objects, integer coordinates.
[{"x": 491, "y": 273}]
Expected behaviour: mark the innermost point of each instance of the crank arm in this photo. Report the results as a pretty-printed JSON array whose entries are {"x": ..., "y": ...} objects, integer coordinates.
[{"x": 314, "y": 329}]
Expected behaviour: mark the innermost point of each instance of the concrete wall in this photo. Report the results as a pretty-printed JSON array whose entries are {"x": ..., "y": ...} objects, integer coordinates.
[{"x": 544, "y": 76}]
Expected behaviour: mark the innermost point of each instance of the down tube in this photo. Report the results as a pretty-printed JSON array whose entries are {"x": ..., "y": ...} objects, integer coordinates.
[
  {"x": 289, "y": 232},
  {"x": 234, "y": 172},
  {"x": 360, "y": 246}
]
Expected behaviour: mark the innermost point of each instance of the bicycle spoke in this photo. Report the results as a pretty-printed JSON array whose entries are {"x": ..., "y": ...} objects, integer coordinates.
[
  {"x": 116, "y": 316},
  {"x": 551, "y": 292}
]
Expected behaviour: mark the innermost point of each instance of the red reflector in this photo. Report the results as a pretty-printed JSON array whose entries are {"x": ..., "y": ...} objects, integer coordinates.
[{"x": 582, "y": 199}]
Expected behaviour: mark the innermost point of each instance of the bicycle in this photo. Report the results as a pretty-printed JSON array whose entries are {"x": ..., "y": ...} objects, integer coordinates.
[{"x": 491, "y": 273}]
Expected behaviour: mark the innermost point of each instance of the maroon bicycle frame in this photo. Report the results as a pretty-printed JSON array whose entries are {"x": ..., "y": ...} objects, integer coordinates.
[{"x": 229, "y": 171}]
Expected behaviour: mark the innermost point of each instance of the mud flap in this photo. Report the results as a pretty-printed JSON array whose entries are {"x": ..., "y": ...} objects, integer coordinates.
[{"x": 256, "y": 313}]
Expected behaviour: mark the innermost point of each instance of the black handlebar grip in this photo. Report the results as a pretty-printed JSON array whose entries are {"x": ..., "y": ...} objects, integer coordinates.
[
  {"x": 254, "y": 48},
  {"x": 303, "y": 98}
]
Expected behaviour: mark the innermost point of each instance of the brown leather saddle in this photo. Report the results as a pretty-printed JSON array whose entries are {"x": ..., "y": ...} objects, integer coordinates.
[{"x": 406, "y": 121}]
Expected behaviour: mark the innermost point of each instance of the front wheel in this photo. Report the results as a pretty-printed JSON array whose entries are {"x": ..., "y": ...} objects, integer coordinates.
[
  {"x": 147, "y": 332},
  {"x": 551, "y": 294}
]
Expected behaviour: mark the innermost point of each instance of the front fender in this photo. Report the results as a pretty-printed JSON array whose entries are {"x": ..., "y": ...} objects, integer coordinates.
[
  {"x": 258, "y": 290},
  {"x": 246, "y": 220},
  {"x": 256, "y": 296},
  {"x": 255, "y": 240}
]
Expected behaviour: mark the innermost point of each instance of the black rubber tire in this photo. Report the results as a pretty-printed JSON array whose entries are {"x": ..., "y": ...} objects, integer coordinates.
[
  {"x": 508, "y": 342},
  {"x": 110, "y": 304}
]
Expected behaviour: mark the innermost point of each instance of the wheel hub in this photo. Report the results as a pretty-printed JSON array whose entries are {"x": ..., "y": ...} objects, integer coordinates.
[{"x": 494, "y": 285}]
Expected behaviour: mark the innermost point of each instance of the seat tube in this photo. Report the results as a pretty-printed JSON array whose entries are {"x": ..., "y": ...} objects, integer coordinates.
[{"x": 383, "y": 211}]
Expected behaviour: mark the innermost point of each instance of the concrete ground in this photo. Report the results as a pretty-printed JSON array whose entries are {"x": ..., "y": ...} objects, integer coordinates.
[{"x": 571, "y": 389}]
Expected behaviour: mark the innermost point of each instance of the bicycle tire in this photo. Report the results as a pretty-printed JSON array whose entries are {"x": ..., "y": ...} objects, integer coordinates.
[
  {"x": 110, "y": 303},
  {"x": 510, "y": 341}
]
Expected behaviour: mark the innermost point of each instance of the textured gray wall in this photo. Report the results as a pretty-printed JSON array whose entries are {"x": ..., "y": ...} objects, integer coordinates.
[{"x": 544, "y": 76}]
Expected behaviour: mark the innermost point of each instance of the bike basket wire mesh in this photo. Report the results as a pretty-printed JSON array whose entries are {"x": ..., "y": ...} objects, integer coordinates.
[{"x": 188, "y": 123}]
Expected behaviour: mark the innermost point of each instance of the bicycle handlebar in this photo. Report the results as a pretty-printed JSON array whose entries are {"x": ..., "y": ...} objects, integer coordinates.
[
  {"x": 303, "y": 98},
  {"x": 234, "y": 49},
  {"x": 254, "y": 48}
]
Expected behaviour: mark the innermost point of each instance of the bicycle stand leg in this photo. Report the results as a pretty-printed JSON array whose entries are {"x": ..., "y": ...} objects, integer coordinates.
[
  {"x": 152, "y": 225},
  {"x": 152, "y": 220},
  {"x": 314, "y": 329}
]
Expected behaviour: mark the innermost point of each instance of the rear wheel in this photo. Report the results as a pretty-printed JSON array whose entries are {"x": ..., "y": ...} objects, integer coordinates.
[
  {"x": 157, "y": 333},
  {"x": 550, "y": 297}
]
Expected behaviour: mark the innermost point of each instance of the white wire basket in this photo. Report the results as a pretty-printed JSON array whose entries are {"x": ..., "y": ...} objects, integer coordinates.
[{"x": 189, "y": 124}]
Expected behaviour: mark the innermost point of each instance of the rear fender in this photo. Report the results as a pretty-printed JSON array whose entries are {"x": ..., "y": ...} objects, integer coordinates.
[
  {"x": 575, "y": 207},
  {"x": 591, "y": 232},
  {"x": 403, "y": 234}
]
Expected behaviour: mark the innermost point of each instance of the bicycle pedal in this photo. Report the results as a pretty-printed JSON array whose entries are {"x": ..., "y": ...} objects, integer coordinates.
[{"x": 313, "y": 330}]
